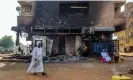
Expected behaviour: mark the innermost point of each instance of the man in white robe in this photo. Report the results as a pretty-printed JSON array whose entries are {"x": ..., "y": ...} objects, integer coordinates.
[
  {"x": 36, "y": 65},
  {"x": 105, "y": 55}
]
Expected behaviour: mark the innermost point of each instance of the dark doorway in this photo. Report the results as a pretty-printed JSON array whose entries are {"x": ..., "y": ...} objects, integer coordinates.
[
  {"x": 61, "y": 45},
  {"x": 131, "y": 48},
  {"x": 89, "y": 49}
]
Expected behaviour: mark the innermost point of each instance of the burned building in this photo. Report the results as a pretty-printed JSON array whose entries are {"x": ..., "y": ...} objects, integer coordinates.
[
  {"x": 125, "y": 35},
  {"x": 69, "y": 23}
]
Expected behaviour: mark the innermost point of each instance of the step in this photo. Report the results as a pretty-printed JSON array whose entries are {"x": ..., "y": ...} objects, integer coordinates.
[
  {"x": 6, "y": 57},
  {"x": 12, "y": 60}
]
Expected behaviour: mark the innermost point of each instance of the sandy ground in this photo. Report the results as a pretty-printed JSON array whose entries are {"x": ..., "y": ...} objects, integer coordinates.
[
  {"x": 67, "y": 71},
  {"x": 126, "y": 54}
]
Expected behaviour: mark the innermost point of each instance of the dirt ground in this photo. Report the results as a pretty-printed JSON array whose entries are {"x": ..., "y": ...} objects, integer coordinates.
[{"x": 67, "y": 71}]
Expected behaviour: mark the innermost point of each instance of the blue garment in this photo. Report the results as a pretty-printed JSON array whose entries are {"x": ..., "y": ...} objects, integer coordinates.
[{"x": 106, "y": 56}]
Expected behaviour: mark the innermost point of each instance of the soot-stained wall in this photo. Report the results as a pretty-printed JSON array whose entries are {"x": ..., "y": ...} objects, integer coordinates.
[{"x": 101, "y": 13}]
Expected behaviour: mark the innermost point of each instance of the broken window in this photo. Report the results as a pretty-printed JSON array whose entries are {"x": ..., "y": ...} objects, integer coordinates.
[
  {"x": 131, "y": 14},
  {"x": 74, "y": 10},
  {"x": 117, "y": 7},
  {"x": 27, "y": 8},
  {"x": 117, "y": 10}
]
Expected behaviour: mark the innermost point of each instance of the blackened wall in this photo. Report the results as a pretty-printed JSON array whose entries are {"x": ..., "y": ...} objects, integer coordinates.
[{"x": 101, "y": 13}]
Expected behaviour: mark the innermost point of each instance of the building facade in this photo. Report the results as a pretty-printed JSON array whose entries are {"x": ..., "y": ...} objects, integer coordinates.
[
  {"x": 121, "y": 36},
  {"x": 127, "y": 34},
  {"x": 129, "y": 26},
  {"x": 69, "y": 23}
]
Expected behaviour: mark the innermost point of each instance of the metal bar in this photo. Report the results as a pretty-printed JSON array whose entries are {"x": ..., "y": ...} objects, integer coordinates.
[{"x": 46, "y": 46}]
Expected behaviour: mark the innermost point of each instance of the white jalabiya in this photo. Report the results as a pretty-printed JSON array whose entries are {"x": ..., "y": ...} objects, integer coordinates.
[
  {"x": 36, "y": 65},
  {"x": 106, "y": 56}
]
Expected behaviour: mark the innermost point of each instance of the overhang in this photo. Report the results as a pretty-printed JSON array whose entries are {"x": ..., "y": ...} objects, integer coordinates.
[
  {"x": 16, "y": 28},
  {"x": 104, "y": 28}
]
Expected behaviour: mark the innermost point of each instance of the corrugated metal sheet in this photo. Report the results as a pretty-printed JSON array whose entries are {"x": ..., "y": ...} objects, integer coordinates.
[{"x": 104, "y": 28}]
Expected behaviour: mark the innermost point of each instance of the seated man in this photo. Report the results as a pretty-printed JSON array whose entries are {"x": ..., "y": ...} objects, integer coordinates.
[{"x": 105, "y": 56}]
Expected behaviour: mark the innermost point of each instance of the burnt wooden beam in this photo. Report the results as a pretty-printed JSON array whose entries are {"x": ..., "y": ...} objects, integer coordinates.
[
  {"x": 45, "y": 34},
  {"x": 15, "y": 28}
]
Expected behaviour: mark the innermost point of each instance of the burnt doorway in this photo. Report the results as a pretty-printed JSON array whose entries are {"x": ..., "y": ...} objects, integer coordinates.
[
  {"x": 38, "y": 41},
  {"x": 89, "y": 48},
  {"x": 61, "y": 45}
]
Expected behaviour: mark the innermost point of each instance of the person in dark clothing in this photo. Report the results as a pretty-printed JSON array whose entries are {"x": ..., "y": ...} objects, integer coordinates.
[
  {"x": 116, "y": 56},
  {"x": 30, "y": 51},
  {"x": 22, "y": 52},
  {"x": 19, "y": 48}
]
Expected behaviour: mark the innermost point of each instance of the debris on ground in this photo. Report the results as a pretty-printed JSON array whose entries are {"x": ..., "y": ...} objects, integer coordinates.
[
  {"x": 130, "y": 71},
  {"x": 61, "y": 58},
  {"x": 68, "y": 71}
]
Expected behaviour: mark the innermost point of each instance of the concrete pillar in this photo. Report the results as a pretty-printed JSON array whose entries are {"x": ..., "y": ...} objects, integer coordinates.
[
  {"x": 70, "y": 45},
  {"x": 77, "y": 44}
]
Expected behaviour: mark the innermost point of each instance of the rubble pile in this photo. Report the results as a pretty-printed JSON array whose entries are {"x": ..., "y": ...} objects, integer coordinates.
[
  {"x": 61, "y": 58},
  {"x": 66, "y": 59}
]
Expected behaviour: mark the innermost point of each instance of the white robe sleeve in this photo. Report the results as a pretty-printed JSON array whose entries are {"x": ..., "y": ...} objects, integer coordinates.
[
  {"x": 33, "y": 53},
  {"x": 103, "y": 54}
]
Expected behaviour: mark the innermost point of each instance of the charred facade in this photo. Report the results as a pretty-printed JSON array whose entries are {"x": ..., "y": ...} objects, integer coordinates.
[{"x": 69, "y": 24}]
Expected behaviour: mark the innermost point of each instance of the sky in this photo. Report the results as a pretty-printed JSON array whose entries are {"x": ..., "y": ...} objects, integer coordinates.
[
  {"x": 8, "y": 18},
  {"x": 129, "y": 0}
]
